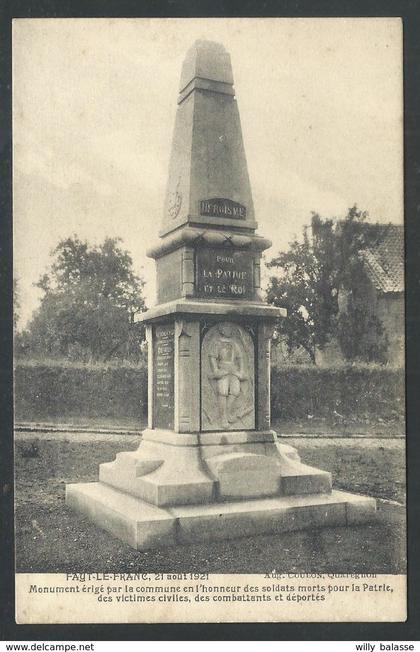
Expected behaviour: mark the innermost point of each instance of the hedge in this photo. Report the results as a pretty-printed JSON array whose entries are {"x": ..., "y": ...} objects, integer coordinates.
[
  {"x": 44, "y": 390},
  {"x": 60, "y": 390},
  {"x": 359, "y": 391}
]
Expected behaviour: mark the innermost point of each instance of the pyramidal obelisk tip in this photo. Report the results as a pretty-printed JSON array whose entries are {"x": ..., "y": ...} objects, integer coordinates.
[{"x": 206, "y": 60}]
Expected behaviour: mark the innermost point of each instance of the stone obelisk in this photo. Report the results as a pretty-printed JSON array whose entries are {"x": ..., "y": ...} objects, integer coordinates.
[{"x": 209, "y": 466}]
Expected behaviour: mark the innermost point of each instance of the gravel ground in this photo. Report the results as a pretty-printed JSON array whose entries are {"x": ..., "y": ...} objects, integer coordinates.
[
  {"x": 51, "y": 538},
  {"x": 320, "y": 427},
  {"x": 341, "y": 427}
]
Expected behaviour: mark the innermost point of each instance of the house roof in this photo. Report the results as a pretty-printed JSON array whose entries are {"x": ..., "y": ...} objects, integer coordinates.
[{"x": 384, "y": 260}]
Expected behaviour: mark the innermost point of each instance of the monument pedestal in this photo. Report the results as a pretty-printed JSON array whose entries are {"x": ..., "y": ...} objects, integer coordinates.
[{"x": 209, "y": 466}]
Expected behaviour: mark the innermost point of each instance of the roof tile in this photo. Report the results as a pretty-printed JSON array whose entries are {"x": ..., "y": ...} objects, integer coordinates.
[{"x": 384, "y": 261}]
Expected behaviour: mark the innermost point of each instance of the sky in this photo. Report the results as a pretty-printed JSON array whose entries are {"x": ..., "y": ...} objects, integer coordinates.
[{"x": 94, "y": 103}]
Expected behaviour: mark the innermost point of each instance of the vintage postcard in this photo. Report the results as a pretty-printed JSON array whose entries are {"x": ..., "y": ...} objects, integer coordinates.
[{"x": 209, "y": 320}]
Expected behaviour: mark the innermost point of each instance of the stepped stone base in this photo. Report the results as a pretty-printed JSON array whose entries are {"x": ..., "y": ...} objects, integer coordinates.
[
  {"x": 181, "y": 488},
  {"x": 144, "y": 526}
]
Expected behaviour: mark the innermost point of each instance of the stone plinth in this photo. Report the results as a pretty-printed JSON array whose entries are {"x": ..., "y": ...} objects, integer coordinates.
[
  {"x": 144, "y": 526},
  {"x": 209, "y": 466},
  {"x": 174, "y": 469}
]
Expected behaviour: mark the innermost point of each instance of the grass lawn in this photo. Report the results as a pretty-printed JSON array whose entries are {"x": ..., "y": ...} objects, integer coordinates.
[
  {"x": 375, "y": 468},
  {"x": 51, "y": 538}
]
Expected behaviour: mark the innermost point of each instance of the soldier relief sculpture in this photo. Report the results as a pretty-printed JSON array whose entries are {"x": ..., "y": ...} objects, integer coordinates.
[{"x": 227, "y": 378}]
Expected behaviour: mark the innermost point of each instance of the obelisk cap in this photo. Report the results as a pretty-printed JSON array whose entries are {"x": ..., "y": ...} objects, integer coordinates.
[{"x": 206, "y": 60}]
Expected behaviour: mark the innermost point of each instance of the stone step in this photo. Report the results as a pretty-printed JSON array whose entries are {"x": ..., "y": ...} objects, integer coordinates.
[{"x": 144, "y": 526}]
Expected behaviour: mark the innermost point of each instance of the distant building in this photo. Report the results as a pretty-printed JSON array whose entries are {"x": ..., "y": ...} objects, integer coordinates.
[
  {"x": 384, "y": 265},
  {"x": 382, "y": 293}
]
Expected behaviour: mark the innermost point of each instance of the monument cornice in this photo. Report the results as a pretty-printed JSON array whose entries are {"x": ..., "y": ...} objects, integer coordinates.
[
  {"x": 229, "y": 309},
  {"x": 195, "y": 236},
  {"x": 201, "y": 222}
]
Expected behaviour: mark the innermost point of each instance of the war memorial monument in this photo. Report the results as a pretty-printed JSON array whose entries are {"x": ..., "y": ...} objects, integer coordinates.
[{"x": 209, "y": 467}]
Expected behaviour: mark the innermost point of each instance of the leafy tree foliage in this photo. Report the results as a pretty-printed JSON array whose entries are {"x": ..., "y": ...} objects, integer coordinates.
[
  {"x": 90, "y": 297},
  {"x": 312, "y": 277}
]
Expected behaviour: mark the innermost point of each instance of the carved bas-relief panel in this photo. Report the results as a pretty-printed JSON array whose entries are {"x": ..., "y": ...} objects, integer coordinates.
[{"x": 227, "y": 378}]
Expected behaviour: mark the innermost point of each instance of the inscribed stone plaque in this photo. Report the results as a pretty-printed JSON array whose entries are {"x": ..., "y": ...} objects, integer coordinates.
[
  {"x": 223, "y": 208},
  {"x": 224, "y": 274},
  {"x": 163, "y": 377},
  {"x": 227, "y": 379}
]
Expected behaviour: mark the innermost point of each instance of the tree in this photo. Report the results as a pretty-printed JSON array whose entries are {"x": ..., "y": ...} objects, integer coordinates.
[
  {"x": 90, "y": 297},
  {"x": 311, "y": 277}
]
